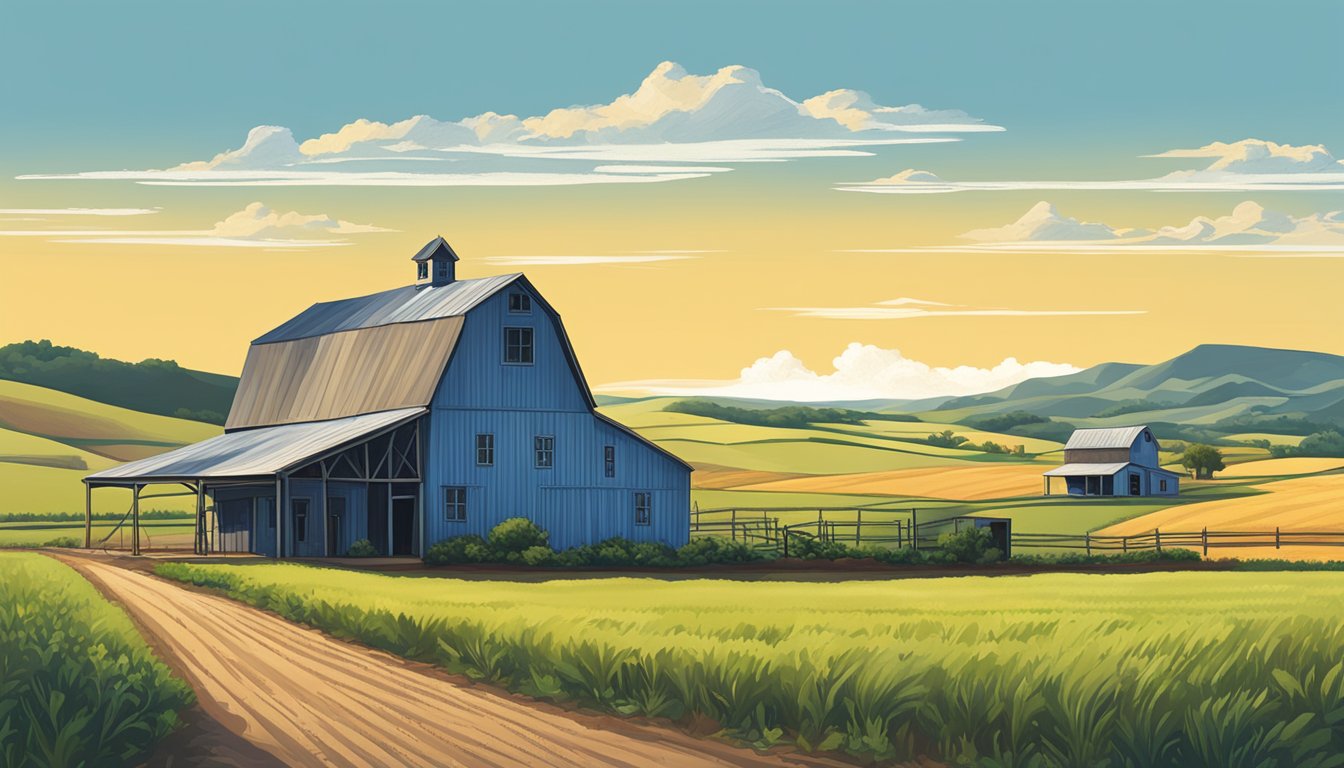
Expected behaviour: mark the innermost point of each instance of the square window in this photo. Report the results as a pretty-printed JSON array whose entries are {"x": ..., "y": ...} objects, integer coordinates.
[
  {"x": 609, "y": 460},
  {"x": 520, "y": 303},
  {"x": 422, "y": 270},
  {"x": 455, "y": 504},
  {"x": 518, "y": 346},
  {"x": 544, "y": 447},
  {"x": 643, "y": 508},
  {"x": 485, "y": 450}
]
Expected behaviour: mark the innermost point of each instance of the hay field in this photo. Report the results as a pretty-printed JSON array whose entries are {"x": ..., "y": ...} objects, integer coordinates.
[
  {"x": 962, "y": 483},
  {"x": 1296, "y": 465}
]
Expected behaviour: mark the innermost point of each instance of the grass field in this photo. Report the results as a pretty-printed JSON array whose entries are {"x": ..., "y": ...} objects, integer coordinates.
[
  {"x": 1299, "y": 465},
  {"x": 1191, "y": 669},
  {"x": 78, "y": 686},
  {"x": 154, "y": 534},
  {"x": 49, "y": 440},
  {"x": 971, "y": 483}
]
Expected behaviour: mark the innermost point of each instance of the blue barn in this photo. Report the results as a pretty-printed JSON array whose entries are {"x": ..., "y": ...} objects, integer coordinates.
[
  {"x": 1118, "y": 461},
  {"x": 413, "y": 415}
]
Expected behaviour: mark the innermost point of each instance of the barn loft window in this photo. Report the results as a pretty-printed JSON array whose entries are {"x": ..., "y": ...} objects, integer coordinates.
[
  {"x": 518, "y": 346},
  {"x": 520, "y": 303},
  {"x": 609, "y": 460},
  {"x": 485, "y": 450},
  {"x": 442, "y": 266},
  {"x": 544, "y": 447},
  {"x": 643, "y": 508},
  {"x": 422, "y": 270},
  {"x": 300, "y": 520},
  {"x": 455, "y": 504}
]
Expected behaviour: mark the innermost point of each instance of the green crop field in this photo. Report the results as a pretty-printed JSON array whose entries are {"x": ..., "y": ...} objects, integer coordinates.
[
  {"x": 153, "y": 533},
  {"x": 78, "y": 686},
  {"x": 1191, "y": 669}
]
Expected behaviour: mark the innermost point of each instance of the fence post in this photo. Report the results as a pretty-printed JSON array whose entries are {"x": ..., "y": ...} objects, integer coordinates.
[
  {"x": 858, "y": 528},
  {"x": 786, "y": 541},
  {"x": 1276, "y": 537},
  {"x": 1087, "y": 542},
  {"x": 914, "y": 529},
  {"x": 1124, "y": 544},
  {"x": 1204, "y": 539},
  {"x": 732, "y": 526},
  {"x": 1157, "y": 539}
]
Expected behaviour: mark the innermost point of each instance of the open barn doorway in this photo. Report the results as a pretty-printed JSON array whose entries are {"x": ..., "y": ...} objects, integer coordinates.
[{"x": 403, "y": 525}]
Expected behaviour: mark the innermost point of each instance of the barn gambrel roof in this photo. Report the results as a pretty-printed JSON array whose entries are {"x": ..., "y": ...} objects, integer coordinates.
[{"x": 1114, "y": 437}]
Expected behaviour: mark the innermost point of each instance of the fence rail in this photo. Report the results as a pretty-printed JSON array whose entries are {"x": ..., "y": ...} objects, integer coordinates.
[{"x": 762, "y": 526}]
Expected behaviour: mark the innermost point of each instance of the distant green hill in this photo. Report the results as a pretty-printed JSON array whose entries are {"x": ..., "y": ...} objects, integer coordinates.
[
  {"x": 1212, "y": 389},
  {"x": 152, "y": 386}
]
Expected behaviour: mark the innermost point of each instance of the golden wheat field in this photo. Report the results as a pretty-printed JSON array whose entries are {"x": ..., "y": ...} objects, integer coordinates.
[
  {"x": 1298, "y": 465},
  {"x": 1297, "y": 504},
  {"x": 961, "y": 483}
]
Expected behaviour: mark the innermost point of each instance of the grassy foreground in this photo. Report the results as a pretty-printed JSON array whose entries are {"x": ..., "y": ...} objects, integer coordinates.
[
  {"x": 78, "y": 686},
  {"x": 1188, "y": 669}
]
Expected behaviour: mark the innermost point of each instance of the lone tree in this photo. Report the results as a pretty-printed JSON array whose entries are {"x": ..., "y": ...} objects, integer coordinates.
[{"x": 1202, "y": 461}]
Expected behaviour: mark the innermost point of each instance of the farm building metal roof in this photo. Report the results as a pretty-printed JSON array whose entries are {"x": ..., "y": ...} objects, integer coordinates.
[
  {"x": 1075, "y": 470},
  {"x": 1116, "y": 437},
  {"x": 256, "y": 452},
  {"x": 408, "y": 304},
  {"x": 332, "y": 376}
]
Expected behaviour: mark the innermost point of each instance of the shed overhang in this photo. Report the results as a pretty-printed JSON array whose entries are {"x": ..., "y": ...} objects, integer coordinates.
[{"x": 1086, "y": 470}]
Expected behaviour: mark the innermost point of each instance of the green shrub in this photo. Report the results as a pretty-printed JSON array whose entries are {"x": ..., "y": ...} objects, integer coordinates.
[
  {"x": 458, "y": 550},
  {"x": 970, "y": 545},
  {"x": 1080, "y": 558},
  {"x": 78, "y": 686},
  {"x": 63, "y": 541},
  {"x": 362, "y": 548},
  {"x": 517, "y": 534},
  {"x": 714, "y": 550},
  {"x": 807, "y": 547},
  {"x": 538, "y": 556}
]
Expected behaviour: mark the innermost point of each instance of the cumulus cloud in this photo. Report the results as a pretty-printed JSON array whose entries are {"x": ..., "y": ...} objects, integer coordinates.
[
  {"x": 255, "y": 226},
  {"x": 1250, "y": 227},
  {"x": 909, "y": 309},
  {"x": 1246, "y": 165},
  {"x": 860, "y": 372},
  {"x": 729, "y": 116}
]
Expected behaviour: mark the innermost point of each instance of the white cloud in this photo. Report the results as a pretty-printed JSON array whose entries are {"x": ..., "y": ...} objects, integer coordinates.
[
  {"x": 1043, "y": 222},
  {"x": 860, "y": 372},
  {"x": 909, "y": 309},
  {"x": 1249, "y": 165},
  {"x": 729, "y": 116},
  {"x": 1250, "y": 227},
  {"x": 255, "y": 226}
]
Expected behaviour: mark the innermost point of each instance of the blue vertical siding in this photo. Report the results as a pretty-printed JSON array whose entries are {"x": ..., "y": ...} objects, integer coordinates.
[{"x": 573, "y": 499}]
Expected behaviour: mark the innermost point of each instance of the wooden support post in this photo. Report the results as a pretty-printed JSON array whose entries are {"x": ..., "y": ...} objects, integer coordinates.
[
  {"x": 858, "y": 528},
  {"x": 1204, "y": 539},
  {"x": 914, "y": 529},
  {"x": 88, "y": 516},
  {"x": 732, "y": 525},
  {"x": 1087, "y": 542},
  {"x": 135, "y": 519},
  {"x": 326, "y": 519},
  {"x": 1276, "y": 537},
  {"x": 1124, "y": 544},
  {"x": 279, "y": 528},
  {"x": 202, "y": 546},
  {"x": 1157, "y": 539}
]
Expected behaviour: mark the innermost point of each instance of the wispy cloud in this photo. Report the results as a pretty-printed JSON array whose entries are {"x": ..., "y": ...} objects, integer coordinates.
[
  {"x": 255, "y": 226},
  {"x": 672, "y": 119},
  {"x": 1249, "y": 165},
  {"x": 561, "y": 261},
  {"x": 908, "y": 309},
  {"x": 77, "y": 211},
  {"x": 860, "y": 372}
]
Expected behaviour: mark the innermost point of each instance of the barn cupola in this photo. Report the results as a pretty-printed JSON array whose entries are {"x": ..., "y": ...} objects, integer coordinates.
[{"x": 436, "y": 263}]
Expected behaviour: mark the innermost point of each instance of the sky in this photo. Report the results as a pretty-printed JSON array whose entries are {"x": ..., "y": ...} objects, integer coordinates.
[{"x": 815, "y": 201}]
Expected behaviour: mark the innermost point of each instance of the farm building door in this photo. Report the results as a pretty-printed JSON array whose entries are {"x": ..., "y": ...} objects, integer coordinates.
[
  {"x": 235, "y": 526},
  {"x": 403, "y": 525},
  {"x": 1135, "y": 484}
]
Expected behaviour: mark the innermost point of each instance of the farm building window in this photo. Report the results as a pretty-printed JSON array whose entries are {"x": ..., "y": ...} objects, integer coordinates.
[
  {"x": 544, "y": 447},
  {"x": 485, "y": 450},
  {"x": 300, "y": 520},
  {"x": 643, "y": 508},
  {"x": 520, "y": 303},
  {"x": 518, "y": 346},
  {"x": 1162, "y": 485},
  {"x": 609, "y": 460},
  {"x": 455, "y": 504},
  {"x": 443, "y": 269},
  {"x": 422, "y": 270}
]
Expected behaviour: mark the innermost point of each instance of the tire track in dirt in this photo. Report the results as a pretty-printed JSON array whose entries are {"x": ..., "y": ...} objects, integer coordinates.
[{"x": 311, "y": 700}]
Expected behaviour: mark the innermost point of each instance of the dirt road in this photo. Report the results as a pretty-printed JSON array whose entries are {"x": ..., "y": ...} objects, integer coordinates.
[{"x": 311, "y": 700}]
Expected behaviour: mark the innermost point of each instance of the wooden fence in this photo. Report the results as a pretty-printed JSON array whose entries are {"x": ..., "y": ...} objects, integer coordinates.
[{"x": 761, "y": 526}]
